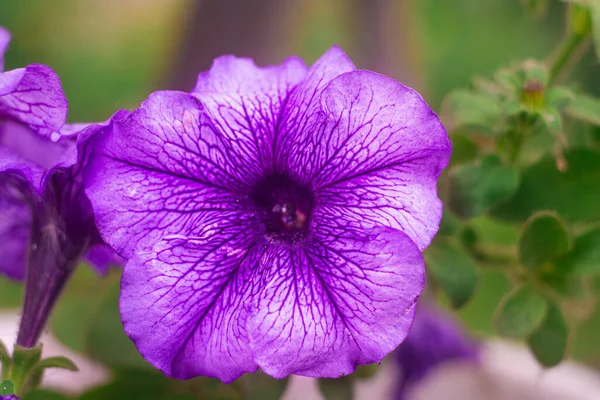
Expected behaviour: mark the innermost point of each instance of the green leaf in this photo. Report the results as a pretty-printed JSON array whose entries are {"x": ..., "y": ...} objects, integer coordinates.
[
  {"x": 520, "y": 312},
  {"x": 87, "y": 319},
  {"x": 366, "y": 371},
  {"x": 573, "y": 194},
  {"x": 581, "y": 2},
  {"x": 78, "y": 306},
  {"x": 181, "y": 397},
  {"x": 552, "y": 121},
  {"x": 534, "y": 70},
  {"x": 210, "y": 388},
  {"x": 463, "y": 149},
  {"x": 132, "y": 385},
  {"x": 468, "y": 237},
  {"x": 585, "y": 256},
  {"x": 260, "y": 386},
  {"x": 511, "y": 108},
  {"x": 565, "y": 285},
  {"x": 476, "y": 188},
  {"x": 593, "y": 136},
  {"x": 584, "y": 14},
  {"x": 492, "y": 286},
  {"x": 488, "y": 87},
  {"x": 44, "y": 395},
  {"x": 5, "y": 360},
  {"x": 337, "y": 389},
  {"x": 537, "y": 8},
  {"x": 512, "y": 79},
  {"x": 146, "y": 384},
  {"x": 11, "y": 293},
  {"x": 494, "y": 232},
  {"x": 595, "y": 17},
  {"x": 450, "y": 224},
  {"x": 150, "y": 384},
  {"x": 585, "y": 346},
  {"x": 558, "y": 97},
  {"x": 549, "y": 341},
  {"x": 106, "y": 340},
  {"x": 539, "y": 143},
  {"x": 7, "y": 387},
  {"x": 57, "y": 362},
  {"x": 542, "y": 239},
  {"x": 468, "y": 109},
  {"x": 453, "y": 269},
  {"x": 585, "y": 108}
]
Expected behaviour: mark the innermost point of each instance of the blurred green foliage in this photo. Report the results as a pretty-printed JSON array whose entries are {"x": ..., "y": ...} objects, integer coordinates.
[
  {"x": 109, "y": 55},
  {"x": 547, "y": 189}
]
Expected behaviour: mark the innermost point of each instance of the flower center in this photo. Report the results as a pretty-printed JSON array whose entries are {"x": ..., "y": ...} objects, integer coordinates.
[{"x": 287, "y": 206}]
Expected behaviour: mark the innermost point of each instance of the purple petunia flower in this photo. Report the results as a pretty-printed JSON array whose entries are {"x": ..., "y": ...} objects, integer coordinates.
[
  {"x": 46, "y": 221},
  {"x": 32, "y": 166},
  {"x": 30, "y": 98},
  {"x": 10, "y": 396},
  {"x": 34, "y": 169},
  {"x": 272, "y": 218},
  {"x": 434, "y": 339}
]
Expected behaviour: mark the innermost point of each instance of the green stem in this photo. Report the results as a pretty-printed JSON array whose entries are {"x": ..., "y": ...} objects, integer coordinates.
[
  {"x": 496, "y": 260},
  {"x": 564, "y": 54},
  {"x": 580, "y": 28}
]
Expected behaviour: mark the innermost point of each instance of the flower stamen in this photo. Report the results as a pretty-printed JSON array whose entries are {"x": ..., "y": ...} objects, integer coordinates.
[{"x": 286, "y": 206}]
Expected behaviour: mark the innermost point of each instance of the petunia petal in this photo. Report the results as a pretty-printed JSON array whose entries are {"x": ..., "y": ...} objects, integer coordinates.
[
  {"x": 302, "y": 113},
  {"x": 245, "y": 103},
  {"x": 374, "y": 155},
  {"x": 4, "y": 42},
  {"x": 184, "y": 300},
  {"x": 22, "y": 141},
  {"x": 102, "y": 257},
  {"x": 15, "y": 223},
  {"x": 434, "y": 339},
  {"x": 348, "y": 299},
  {"x": 33, "y": 96},
  {"x": 21, "y": 184},
  {"x": 64, "y": 190},
  {"x": 161, "y": 171}
]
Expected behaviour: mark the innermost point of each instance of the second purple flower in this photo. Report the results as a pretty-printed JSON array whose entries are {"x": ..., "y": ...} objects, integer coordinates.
[{"x": 272, "y": 218}]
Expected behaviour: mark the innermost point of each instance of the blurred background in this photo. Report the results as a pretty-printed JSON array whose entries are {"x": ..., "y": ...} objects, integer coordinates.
[{"x": 111, "y": 54}]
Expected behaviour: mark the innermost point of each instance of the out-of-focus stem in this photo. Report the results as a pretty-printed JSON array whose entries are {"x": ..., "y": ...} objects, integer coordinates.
[
  {"x": 569, "y": 50},
  {"x": 565, "y": 54},
  {"x": 239, "y": 27},
  {"x": 388, "y": 41}
]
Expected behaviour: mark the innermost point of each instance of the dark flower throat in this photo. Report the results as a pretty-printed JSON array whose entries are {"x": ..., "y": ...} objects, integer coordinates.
[{"x": 287, "y": 206}]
